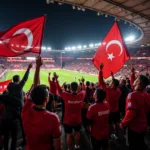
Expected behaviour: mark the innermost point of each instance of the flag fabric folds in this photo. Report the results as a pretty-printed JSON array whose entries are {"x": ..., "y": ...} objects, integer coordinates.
[
  {"x": 112, "y": 52},
  {"x": 22, "y": 38},
  {"x": 3, "y": 85}
]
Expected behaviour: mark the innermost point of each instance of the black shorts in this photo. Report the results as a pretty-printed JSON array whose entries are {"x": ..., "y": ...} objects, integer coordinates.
[
  {"x": 55, "y": 97},
  {"x": 98, "y": 144},
  {"x": 69, "y": 129},
  {"x": 114, "y": 117}
]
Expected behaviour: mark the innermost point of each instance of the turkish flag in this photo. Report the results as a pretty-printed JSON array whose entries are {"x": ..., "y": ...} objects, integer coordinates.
[
  {"x": 3, "y": 85},
  {"x": 23, "y": 38},
  {"x": 112, "y": 52}
]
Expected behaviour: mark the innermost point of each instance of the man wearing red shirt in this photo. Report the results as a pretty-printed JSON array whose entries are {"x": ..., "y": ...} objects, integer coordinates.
[
  {"x": 98, "y": 114},
  {"x": 137, "y": 107},
  {"x": 42, "y": 128},
  {"x": 112, "y": 96},
  {"x": 72, "y": 118}
]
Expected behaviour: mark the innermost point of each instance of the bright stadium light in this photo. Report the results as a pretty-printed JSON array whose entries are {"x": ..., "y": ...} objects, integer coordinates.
[
  {"x": 66, "y": 48},
  {"x": 84, "y": 46},
  {"x": 91, "y": 45},
  {"x": 79, "y": 47},
  {"x": 130, "y": 38},
  {"x": 73, "y": 48},
  {"x": 69, "y": 48},
  {"x": 43, "y": 48},
  {"x": 48, "y": 48}
]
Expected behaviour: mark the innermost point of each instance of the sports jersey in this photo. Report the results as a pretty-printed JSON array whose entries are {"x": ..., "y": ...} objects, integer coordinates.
[
  {"x": 112, "y": 94},
  {"x": 137, "y": 107},
  {"x": 40, "y": 127},
  {"x": 98, "y": 113},
  {"x": 73, "y": 106}
]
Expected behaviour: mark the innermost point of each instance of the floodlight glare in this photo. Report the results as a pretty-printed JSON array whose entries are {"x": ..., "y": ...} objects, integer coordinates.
[
  {"x": 79, "y": 47},
  {"x": 48, "y": 48},
  {"x": 84, "y": 46},
  {"x": 130, "y": 38},
  {"x": 91, "y": 45},
  {"x": 43, "y": 48},
  {"x": 73, "y": 48}
]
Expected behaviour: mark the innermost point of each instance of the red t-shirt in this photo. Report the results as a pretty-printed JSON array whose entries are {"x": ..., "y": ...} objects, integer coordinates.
[
  {"x": 40, "y": 127},
  {"x": 53, "y": 88},
  {"x": 112, "y": 95},
  {"x": 137, "y": 107},
  {"x": 73, "y": 106},
  {"x": 99, "y": 115}
]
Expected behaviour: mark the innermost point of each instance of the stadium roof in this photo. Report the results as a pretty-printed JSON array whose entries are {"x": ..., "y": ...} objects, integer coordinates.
[{"x": 134, "y": 12}]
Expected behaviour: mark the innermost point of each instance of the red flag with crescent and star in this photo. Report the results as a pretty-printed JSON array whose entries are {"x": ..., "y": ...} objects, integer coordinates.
[
  {"x": 112, "y": 52},
  {"x": 23, "y": 38}
]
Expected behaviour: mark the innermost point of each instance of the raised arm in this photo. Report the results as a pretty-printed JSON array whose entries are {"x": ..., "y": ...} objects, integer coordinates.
[
  {"x": 83, "y": 84},
  {"x": 132, "y": 77},
  {"x": 49, "y": 77},
  {"x": 57, "y": 84},
  {"x": 102, "y": 83},
  {"x": 25, "y": 77},
  {"x": 39, "y": 63}
]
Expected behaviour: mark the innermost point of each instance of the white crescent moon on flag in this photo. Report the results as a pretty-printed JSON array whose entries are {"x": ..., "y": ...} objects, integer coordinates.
[
  {"x": 29, "y": 36},
  {"x": 115, "y": 42}
]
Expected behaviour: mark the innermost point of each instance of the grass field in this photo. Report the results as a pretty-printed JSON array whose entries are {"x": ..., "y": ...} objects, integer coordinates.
[{"x": 64, "y": 76}]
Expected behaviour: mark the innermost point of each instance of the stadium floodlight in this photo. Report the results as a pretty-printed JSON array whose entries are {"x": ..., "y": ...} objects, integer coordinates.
[
  {"x": 66, "y": 48},
  {"x": 69, "y": 48},
  {"x": 48, "y": 48},
  {"x": 30, "y": 58},
  {"x": 84, "y": 46},
  {"x": 43, "y": 48},
  {"x": 83, "y": 9},
  {"x": 73, "y": 48},
  {"x": 79, "y": 47},
  {"x": 130, "y": 38},
  {"x": 79, "y": 8},
  {"x": 73, "y": 7},
  {"x": 91, "y": 45}
]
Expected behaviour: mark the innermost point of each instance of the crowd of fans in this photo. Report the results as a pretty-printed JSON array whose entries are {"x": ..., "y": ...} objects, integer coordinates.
[{"x": 104, "y": 110}]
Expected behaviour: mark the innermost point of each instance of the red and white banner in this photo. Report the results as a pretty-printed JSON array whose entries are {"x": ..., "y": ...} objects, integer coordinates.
[
  {"x": 25, "y": 37},
  {"x": 3, "y": 85}
]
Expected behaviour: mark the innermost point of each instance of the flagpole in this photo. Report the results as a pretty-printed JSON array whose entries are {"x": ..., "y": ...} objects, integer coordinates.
[{"x": 45, "y": 16}]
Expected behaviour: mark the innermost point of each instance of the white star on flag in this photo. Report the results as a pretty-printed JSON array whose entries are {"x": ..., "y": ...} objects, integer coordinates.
[{"x": 111, "y": 56}]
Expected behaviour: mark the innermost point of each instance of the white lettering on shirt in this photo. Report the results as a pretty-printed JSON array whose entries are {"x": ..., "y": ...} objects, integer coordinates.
[
  {"x": 129, "y": 104},
  {"x": 74, "y": 102},
  {"x": 103, "y": 112}
]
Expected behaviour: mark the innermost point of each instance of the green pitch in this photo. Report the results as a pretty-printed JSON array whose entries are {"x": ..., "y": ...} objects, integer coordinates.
[{"x": 64, "y": 76}]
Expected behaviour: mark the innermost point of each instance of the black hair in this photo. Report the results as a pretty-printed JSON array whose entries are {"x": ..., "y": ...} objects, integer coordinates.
[
  {"x": 92, "y": 84},
  {"x": 16, "y": 78},
  {"x": 144, "y": 80},
  {"x": 39, "y": 94},
  {"x": 124, "y": 81},
  {"x": 65, "y": 86},
  {"x": 53, "y": 79},
  {"x": 74, "y": 86},
  {"x": 115, "y": 82},
  {"x": 87, "y": 83},
  {"x": 101, "y": 95}
]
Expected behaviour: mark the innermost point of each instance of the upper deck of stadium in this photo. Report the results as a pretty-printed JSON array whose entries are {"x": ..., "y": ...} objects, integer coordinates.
[{"x": 133, "y": 12}]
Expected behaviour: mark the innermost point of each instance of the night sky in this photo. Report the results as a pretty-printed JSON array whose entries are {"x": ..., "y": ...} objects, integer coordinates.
[{"x": 65, "y": 26}]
